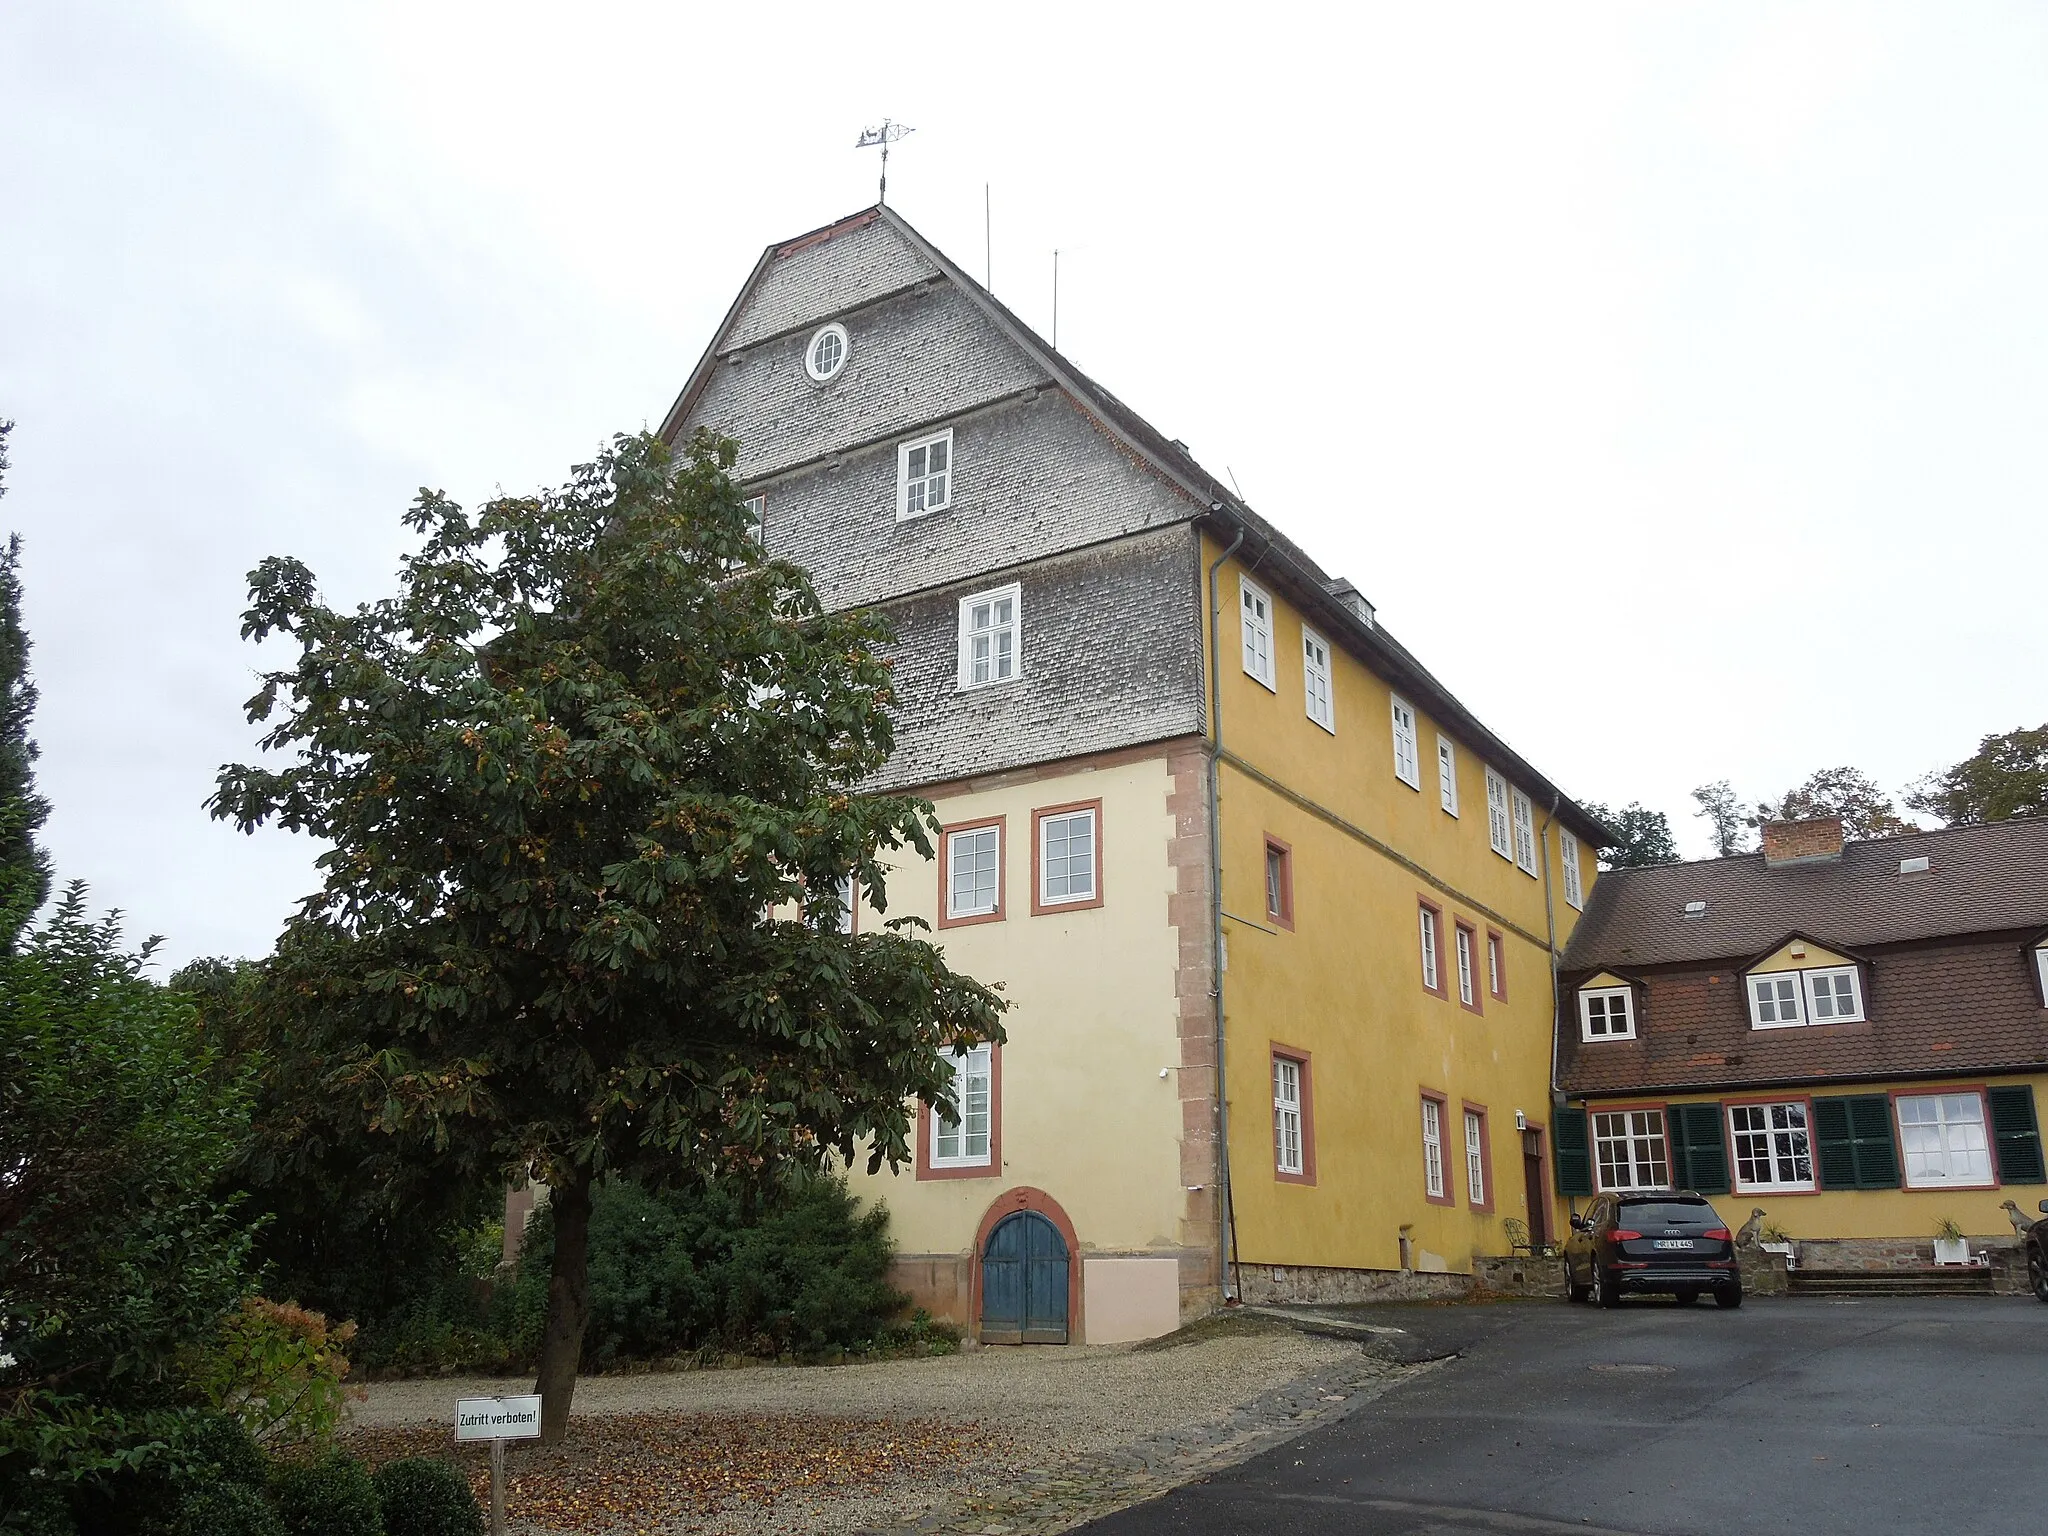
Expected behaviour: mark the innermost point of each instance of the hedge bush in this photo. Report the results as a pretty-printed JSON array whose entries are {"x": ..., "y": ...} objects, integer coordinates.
[
  {"x": 330, "y": 1496},
  {"x": 227, "y": 1509},
  {"x": 424, "y": 1497}
]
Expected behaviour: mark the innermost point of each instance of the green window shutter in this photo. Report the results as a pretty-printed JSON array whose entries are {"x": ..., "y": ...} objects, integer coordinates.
[
  {"x": 1877, "y": 1159},
  {"x": 1572, "y": 1153},
  {"x": 2017, "y": 1135},
  {"x": 1699, "y": 1150},
  {"x": 1834, "y": 1146}
]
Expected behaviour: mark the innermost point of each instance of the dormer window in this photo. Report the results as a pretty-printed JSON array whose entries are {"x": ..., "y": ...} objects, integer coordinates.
[
  {"x": 1607, "y": 1013},
  {"x": 1820, "y": 995},
  {"x": 1774, "y": 1001},
  {"x": 1833, "y": 996},
  {"x": 2041, "y": 970}
]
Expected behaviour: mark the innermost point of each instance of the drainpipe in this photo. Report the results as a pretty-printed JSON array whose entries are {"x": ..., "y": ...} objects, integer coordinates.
[
  {"x": 1556, "y": 1008},
  {"x": 1226, "y": 1217}
]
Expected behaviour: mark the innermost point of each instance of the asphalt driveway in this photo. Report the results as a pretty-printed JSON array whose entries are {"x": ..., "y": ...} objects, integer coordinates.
[{"x": 1814, "y": 1416}]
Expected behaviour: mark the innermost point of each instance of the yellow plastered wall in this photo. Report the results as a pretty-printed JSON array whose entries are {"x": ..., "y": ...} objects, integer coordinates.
[
  {"x": 1086, "y": 1115},
  {"x": 1345, "y": 984},
  {"x": 1875, "y": 1212},
  {"x": 1807, "y": 957}
]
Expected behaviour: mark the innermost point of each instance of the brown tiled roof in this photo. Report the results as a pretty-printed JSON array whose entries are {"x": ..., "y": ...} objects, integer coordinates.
[{"x": 1980, "y": 880}]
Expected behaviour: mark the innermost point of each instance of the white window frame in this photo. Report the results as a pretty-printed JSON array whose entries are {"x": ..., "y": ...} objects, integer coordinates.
[
  {"x": 1088, "y": 814},
  {"x": 1812, "y": 979},
  {"x": 1498, "y": 832},
  {"x": 1644, "y": 1143},
  {"x": 1496, "y": 966},
  {"x": 977, "y": 1066},
  {"x": 1947, "y": 1128},
  {"x": 1475, "y": 1157},
  {"x": 1525, "y": 832},
  {"x": 757, "y": 517},
  {"x": 2041, "y": 970},
  {"x": 1255, "y": 613},
  {"x": 904, "y": 479},
  {"x": 849, "y": 904},
  {"x": 1774, "y": 1144},
  {"x": 1608, "y": 994},
  {"x": 827, "y": 375},
  {"x": 1467, "y": 993},
  {"x": 1288, "y": 1129},
  {"x": 953, "y": 840},
  {"x": 1433, "y": 1149},
  {"x": 1432, "y": 963},
  {"x": 1319, "y": 697},
  {"x": 1568, "y": 856},
  {"x": 1014, "y": 628},
  {"x": 1447, "y": 773},
  {"x": 1787, "y": 991},
  {"x": 1407, "y": 747}
]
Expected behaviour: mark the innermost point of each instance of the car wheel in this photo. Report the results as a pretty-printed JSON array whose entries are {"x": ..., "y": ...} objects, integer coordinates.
[
  {"x": 1604, "y": 1293},
  {"x": 2037, "y": 1274},
  {"x": 1573, "y": 1291},
  {"x": 1728, "y": 1296},
  {"x": 1687, "y": 1298}
]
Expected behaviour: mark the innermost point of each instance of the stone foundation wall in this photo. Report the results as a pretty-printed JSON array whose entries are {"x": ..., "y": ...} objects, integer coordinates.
[
  {"x": 1876, "y": 1253},
  {"x": 1268, "y": 1284},
  {"x": 1518, "y": 1277}
]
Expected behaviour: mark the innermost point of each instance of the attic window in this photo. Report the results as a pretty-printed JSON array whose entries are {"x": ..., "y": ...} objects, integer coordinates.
[
  {"x": 827, "y": 353},
  {"x": 1914, "y": 866},
  {"x": 1695, "y": 909},
  {"x": 1606, "y": 1013}
]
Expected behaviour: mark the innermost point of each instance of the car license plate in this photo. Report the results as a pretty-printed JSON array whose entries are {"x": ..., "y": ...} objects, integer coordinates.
[{"x": 1674, "y": 1242}]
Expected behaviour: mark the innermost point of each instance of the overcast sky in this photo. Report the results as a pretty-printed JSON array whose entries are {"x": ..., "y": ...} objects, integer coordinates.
[{"x": 1673, "y": 377}]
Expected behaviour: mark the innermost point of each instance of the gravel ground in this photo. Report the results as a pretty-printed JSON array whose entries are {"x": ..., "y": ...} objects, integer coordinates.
[{"x": 840, "y": 1448}]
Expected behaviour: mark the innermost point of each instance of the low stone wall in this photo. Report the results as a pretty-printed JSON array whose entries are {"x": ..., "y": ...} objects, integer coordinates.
[
  {"x": 1271, "y": 1284},
  {"x": 1874, "y": 1255},
  {"x": 1521, "y": 1276}
]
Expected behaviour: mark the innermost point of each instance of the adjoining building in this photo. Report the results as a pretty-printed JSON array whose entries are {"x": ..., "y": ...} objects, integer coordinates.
[
  {"x": 1254, "y": 881},
  {"x": 1851, "y": 1036}
]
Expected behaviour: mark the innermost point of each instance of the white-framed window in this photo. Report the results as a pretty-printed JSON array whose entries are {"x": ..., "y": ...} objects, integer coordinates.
[
  {"x": 827, "y": 353},
  {"x": 924, "y": 475},
  {"x": 1315, "y": 681},
  {"x": 1496, "y": 967},
  {"x": 1525, "y": 833},
  {"x": 1406, "y": 765},
  {"x": 1447, "y": 774},
  {"x": 1066, "y": 857},
  {"x": 1430, "y": 970},
  {"x": 974, "y": 871},
  {"x": 2041, "y": 970},
  {"x": 964, "y": 1143},
  {"x": 1433, "y": 1148},
  {"x": 1943, "y": 1137},
  {"x": 1833, "y": 995},
  {"x": 1630, "y": 1150},
  {"x": 1257, "y": 607},
  {"x": 757, "y": 517},
  {"x": 849, "y": 904},
  {"x": 1773, "y": 1146},
  {"x": 1475, "y": 1157},
  {"x": 1775, "y": 1000},
  {"x": 991, "y": 637},
  {"x": 1465, "y": 967},
  {"x": 1568, "y": 856},
  {"x": 1498, "y": 836},
  {"x": 1607, "y": 1013},
  {"x": 1287, "y": 1115}
]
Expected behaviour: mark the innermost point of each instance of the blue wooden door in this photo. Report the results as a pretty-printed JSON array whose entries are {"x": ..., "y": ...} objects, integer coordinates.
[{"x": 1024, "y": 1282}]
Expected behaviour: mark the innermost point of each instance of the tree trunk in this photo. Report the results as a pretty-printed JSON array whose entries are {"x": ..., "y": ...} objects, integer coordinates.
[{"x": 561, "y": 1342}]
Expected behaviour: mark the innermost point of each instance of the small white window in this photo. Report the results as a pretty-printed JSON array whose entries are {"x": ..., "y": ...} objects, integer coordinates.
[
  {"x": 827, "y": 353},
  {"x": 1433, "y": 1149},
  {"x": 1447, "y": 774},
  {"x": 1833, "y": 997},
  {"x": 1315, "y": 681},
  {"x": 1774, "y": 1000},
  {"x": 1568, "y": 856},
  {"x": 974, "y": 859},
  {"x": 1942, "y": 1135},
  {"x": 1465, "y": 967},
  {"x": 924, "y": 475},
  {"x": 1406, "y": 766},
  {"x": 1429, "y": 955},
  {"x": 849, "y": 904},
  {"x": 757, "y": 517},
  {"x": 1258, "y": 631},
  {"x": 1066, "y": 857},
  {"x": 964, "y": 1143},
  {"x": 1496, "y": 978},
  {"x": 1772, "y": 1145},
  {"x": 1525, "y": 834},
  {"x": 1497, "y": 833},
  {"x": 1475, "y": 1157},
  {"x": 1630, "y": 1150},
  {"x": 1287, "y": 1114},
  {"x": 991, "y": 637},
  {"x": 1607, "y": 1013}
]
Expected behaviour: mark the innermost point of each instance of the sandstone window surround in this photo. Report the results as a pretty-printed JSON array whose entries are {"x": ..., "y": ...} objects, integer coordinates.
[
  {"x": 1773, "y": 1146},
  {"x": 1630, "y": 1150}
]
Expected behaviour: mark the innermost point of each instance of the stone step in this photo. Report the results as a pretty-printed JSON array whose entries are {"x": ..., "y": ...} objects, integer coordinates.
[{"x": 1955, "y": 1281}]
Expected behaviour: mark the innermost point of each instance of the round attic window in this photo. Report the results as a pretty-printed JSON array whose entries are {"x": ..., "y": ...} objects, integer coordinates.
[{"x": 826, "y": 354}]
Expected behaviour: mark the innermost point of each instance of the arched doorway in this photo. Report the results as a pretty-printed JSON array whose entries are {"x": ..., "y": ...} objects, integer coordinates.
[{"x": 1024, "y": 1281}]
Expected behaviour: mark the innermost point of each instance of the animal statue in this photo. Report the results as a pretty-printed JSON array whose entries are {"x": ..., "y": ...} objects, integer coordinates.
[
  {"x": 1750, "y": 1228},
  {"x": 2020, "y": 1220}
]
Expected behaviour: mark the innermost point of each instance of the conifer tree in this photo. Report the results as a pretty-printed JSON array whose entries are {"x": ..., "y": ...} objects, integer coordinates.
[{"x": 24, "y": 867}]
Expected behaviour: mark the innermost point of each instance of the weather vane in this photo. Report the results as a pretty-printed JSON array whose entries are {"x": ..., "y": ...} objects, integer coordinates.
[{"x": 883, "y": 137}]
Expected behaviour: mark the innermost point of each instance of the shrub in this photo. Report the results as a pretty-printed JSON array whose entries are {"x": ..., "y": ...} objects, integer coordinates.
[
  {"x": 220, "y": 1449},
  {"x": 424, "y": 1497},
  {"x": 226, "y": 1509},
  {"x": 27, "y": 1510},
  {"x": 329, "y": 1496},
  {"x": 278, "y": 1369}
]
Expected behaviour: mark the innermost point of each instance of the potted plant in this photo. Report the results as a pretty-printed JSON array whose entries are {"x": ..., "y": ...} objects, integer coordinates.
[
  {"x": 1950, "y": 1246},
  {"x": 1775, "y": 1239}
]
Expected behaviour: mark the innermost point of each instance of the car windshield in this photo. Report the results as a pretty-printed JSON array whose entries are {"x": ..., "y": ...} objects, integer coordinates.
[{"x": 1669, "y": 1213}]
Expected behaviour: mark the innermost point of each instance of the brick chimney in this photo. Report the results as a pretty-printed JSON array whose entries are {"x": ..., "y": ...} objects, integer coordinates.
[{"x": 1816, "y": 840}]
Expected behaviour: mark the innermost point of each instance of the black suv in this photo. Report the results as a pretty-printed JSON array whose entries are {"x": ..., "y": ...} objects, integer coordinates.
[
  {"x": 1659, "y": 1240},
  {"x": 2037, "y": 1255}
]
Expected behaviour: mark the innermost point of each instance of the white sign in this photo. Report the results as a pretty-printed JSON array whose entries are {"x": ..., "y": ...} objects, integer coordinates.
[{"x": 497, "y": 1418}]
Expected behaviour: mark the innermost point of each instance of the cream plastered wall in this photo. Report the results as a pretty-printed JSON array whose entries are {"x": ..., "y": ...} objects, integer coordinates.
[
  {"x": 1808, "y": 957},
  {"x": 1874, "y": 1212},
  {"x": 1086, "y": 1115}
]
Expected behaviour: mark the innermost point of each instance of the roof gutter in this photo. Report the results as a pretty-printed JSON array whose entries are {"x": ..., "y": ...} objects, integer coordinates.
[{"x": 1226, "y": 1214}]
